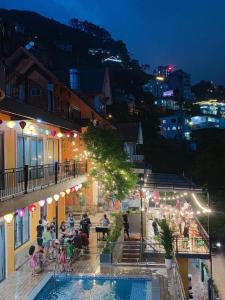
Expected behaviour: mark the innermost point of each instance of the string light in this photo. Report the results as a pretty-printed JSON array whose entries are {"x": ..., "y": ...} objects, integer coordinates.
[
  {"x": 56, "y": 197},
  {"x": 49, "y": 200},
  {"x": 41, "y": 203},
  {"x": 11, "y": 124},
  {"x": 205, "y": 209},
  {"x": 62, "y": 194}
]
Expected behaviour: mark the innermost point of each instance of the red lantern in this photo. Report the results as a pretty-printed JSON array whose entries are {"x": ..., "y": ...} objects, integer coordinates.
[
  {"x": 53, "y": 132},
  {"x": 22, "y": 124},
  {"x": 68, "y": 135},
  {"x": 72, "y": 189},
  {"x": 32, "y": 208}
]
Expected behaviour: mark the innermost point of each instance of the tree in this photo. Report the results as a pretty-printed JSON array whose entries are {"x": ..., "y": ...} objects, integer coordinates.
[{"x": 109, "y": 161}]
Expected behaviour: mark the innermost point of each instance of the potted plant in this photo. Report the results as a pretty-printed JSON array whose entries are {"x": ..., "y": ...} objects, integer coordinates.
[{"x": 166, "y": 238}]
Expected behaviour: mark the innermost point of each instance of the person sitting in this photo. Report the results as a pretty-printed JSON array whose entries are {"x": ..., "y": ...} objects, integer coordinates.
[
  {"x": 84, "y": 239},
  {"x": 77, "y": 243}
]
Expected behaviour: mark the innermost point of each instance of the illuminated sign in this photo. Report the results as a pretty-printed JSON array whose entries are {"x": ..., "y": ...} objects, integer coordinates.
[{"x": 168, "y": 93}]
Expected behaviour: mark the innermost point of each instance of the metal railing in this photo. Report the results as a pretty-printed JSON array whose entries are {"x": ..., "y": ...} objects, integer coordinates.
[
  {"x": 195, "y": 245},
  {"x": 17, "y": 181},
  {"x": 178, "y": 287}
]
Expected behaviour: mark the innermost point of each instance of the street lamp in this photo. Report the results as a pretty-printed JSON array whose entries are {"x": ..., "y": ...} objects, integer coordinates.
[{"x": 210, "y": 280}]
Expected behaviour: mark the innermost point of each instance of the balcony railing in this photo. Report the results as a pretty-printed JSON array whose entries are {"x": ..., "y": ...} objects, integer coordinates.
[{"x": 14, "y": 182}]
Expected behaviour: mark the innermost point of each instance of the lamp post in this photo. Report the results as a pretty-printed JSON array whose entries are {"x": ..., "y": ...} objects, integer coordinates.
[{"x": 210, "y": 280}]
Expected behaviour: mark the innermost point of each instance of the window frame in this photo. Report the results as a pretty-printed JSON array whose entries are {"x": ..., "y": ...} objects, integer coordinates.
[{"x": 23, "y": 241}]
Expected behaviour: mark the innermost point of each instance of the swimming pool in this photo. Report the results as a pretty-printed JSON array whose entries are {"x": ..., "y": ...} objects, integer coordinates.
[{"x": 95, "y": 288}]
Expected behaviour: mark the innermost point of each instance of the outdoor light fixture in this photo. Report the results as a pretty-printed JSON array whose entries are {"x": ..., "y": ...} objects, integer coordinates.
[
  {"x": 67, "y": 191},
  {"x": 68, "y": 135},
  {"x": 72, "y": 189},
  {"x": 22, "y": 124},
  {"x": 75, "y": 135},
  {"x": 56, "y": 197},
  {"x": 53, "y": 132},
  {"x": 218, "y": 244},
  {"x": 49, "y": 200},
  {"x": 8, "y": 218},
  {"x": 59, "y": 135},
  {"x": 41, "y": 203},
  {"x": 47, "y": 132},
  {"x": 32, "y": 208},
  {"x": 21, "y": 212},
  {"x": 62, "y": 194},
  {"x": 11, "y": 124},
  {"x": 31, "y": 127}
]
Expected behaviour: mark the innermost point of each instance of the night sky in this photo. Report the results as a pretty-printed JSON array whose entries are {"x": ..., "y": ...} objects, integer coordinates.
[{"x": 190, "y": 34}]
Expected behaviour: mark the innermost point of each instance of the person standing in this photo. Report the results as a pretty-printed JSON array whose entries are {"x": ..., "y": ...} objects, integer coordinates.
[
  {"x": 155, "y": 228},
  {"x": 71, "y": 221},
  {"x": 85, "y": 224},
  {"x": 40, "y": 230},
  {"x": 105, "y": 223},
  {"x": 126, "y": 224}
]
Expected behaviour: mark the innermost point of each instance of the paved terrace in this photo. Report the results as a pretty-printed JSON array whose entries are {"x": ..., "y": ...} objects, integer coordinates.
[{"x": 20, "y": 284}]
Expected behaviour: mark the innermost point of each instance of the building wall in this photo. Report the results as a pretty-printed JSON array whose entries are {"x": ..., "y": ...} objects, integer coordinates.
[{"x": 183, "y": 266}]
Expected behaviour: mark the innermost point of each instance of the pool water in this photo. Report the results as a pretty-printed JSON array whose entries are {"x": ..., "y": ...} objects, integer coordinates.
[{"x": 95, "y": 288}]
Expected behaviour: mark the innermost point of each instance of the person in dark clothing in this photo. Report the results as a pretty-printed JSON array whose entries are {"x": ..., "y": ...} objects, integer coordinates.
[
  {"x": 77, "y": 241},
  {"x": 126, "y": 224},
  {"x": 40, "y": 230},
  {"x": 85, "y": 224},
  {"x": 155, "y": 228}
]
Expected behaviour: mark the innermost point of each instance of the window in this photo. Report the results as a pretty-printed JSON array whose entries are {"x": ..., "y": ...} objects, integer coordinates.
[
  {"x": 35, "y": 92},
  {"x": 32, "y": 152},
  {"x": 74, "y": 114},
  {"x": 21, "y": 228}
]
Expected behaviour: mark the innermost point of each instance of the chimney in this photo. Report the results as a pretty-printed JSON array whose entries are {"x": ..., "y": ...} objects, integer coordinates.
[{"x": 74, "y": 77}]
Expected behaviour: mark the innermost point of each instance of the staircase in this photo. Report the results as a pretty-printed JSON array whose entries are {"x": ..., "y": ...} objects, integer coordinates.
[{"x": 131, "y": 252}]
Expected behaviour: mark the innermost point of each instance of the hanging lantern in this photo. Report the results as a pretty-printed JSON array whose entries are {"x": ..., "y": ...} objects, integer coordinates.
[
  {"x": 42, "y": 203},
  {"x": 68, "y": 135},
  {"x": 8, "y": 218},
  {"x": 47, "y": 132},
  {"x": 59, "y": 135},
  {"x": 80, "y": 185},
  {"x": 67, "y": 191},
  {"x": 76, "y": 188},
  {"x": 62, "y": 194},
  {"x": 21, "y": 212},
  {"x": 32, "y": 208},
  {"x": 11, "y": 124},
  {"x": 75, "y": 135},
  {"x": 72, "y": 189},
  {"x": 56, "y": 197},
  {"x": 53, "y": 132},
  {"x": 49, "y": 200},
  {"x": 22, "y": 124}
]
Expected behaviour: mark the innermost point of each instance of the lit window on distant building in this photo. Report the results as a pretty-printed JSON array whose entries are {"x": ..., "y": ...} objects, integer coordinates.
[{"x": 187, "y": 135}]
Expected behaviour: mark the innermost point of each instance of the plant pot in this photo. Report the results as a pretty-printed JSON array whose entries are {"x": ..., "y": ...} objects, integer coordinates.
[
  {"x": 168, "y": 263},
  {"x": 106, "y": 258}
]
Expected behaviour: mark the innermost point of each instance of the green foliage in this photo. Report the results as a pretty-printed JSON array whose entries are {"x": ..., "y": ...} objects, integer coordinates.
[
  {"x": 166, "y": 237},
  {"x": 111, "y": 167},
  {"x": 115, "y": 233}
]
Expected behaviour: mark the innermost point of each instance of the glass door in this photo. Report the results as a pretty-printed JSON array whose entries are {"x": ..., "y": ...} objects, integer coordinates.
[{"x": 2, "y": 252}]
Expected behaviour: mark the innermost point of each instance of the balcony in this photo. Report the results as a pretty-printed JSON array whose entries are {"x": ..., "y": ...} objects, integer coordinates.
[{"x": 20, "y": 181}]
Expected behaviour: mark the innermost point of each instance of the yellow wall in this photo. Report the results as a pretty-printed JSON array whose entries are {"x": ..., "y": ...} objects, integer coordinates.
[
  {"x": 10, "y": 247},
  {"x": 61, "y": 210}
]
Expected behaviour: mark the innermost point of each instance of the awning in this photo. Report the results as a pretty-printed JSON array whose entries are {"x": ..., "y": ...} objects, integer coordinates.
[{"x": 168, "y": 182}]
